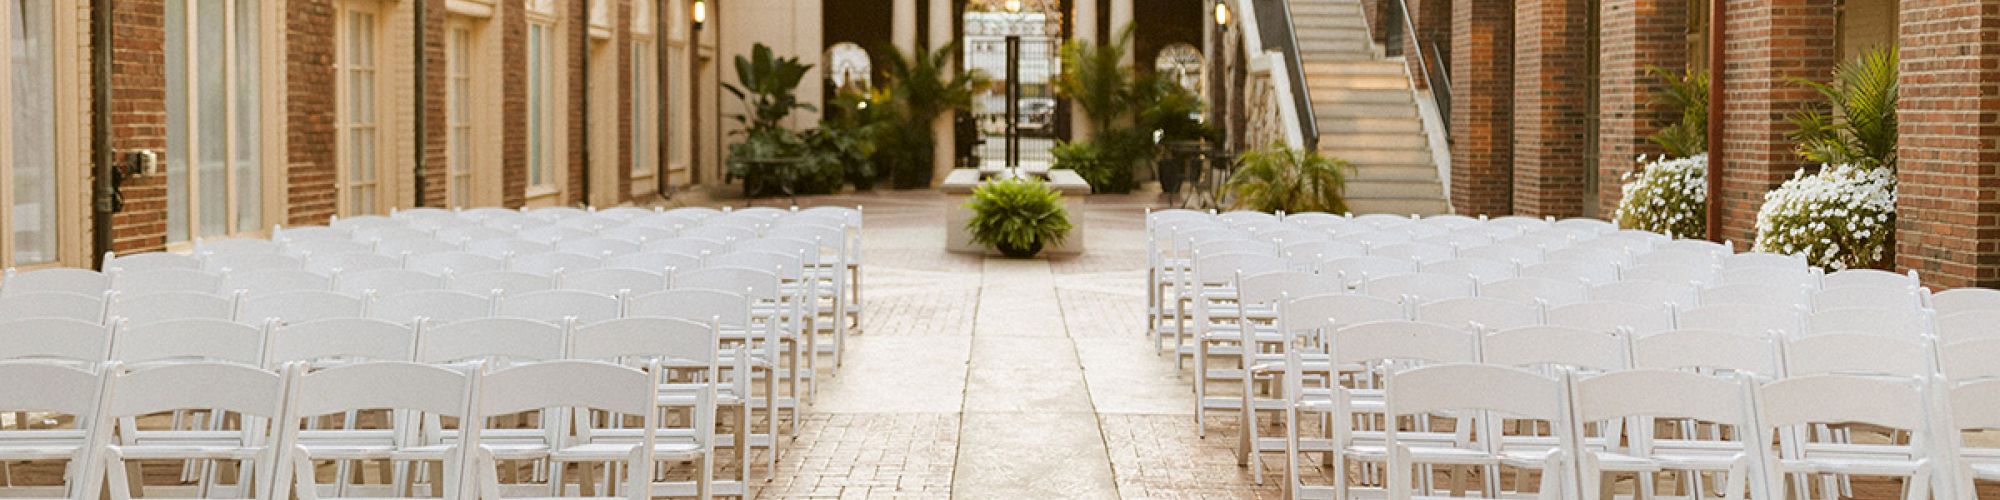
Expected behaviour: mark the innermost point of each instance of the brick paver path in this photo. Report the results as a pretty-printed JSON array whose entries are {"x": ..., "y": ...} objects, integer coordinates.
[{"x": 995, "y": 378}]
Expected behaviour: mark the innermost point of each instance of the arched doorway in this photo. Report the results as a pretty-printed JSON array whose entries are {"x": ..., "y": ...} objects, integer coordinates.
[{"x": 986, "y": 27}]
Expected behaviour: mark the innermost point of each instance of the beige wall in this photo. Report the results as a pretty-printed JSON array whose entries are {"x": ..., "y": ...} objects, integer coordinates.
[
  {"x": 791, "y": 28},
  {"x": 1865, "y": 25}
]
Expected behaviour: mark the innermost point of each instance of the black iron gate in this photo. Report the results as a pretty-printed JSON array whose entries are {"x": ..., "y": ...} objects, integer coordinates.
[{"x": 1028, "y": 71}]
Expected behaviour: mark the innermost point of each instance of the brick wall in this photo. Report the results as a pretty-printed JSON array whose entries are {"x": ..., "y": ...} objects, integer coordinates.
[
  {"x": 1769, "y": 43},
  {"x": 1634, "y": 34},
  {"x": 437, "y": 180},
  {"x": 576, "y": 36},
  {"x": 1482, "y": 82},
  {"x": 514, "y": 105},
  {"x": 621, "y": 35},
  {"x": 1949, "y": 201},
  {"x": 1432, "y": 19},
  {"x": 309, "y": 45},
  {"x": 139, "y": 119},
  {"x": 1551, "y": 82}
]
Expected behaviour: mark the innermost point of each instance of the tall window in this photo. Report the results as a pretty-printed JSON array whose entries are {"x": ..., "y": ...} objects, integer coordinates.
[
  {"x": 213, "y": 118},
  {"x": 459, "y": 138},
  {"x": 27, "y": 127},
  {"x": 541, "y": 103},
  {"x": 360, "y": 155},
  {"x": 645, "y": 109}
]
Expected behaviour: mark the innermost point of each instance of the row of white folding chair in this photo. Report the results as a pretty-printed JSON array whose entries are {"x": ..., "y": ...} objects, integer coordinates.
[
  {"x": 1572, "y": 464},
  {"x": 275, "y": 455}
]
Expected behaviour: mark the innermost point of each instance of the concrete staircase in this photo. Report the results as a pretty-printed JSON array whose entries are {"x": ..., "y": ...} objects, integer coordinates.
[{"x": 1366, "y": 112}]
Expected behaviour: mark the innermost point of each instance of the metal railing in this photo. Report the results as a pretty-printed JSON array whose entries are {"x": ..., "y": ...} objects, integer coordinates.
[
  {"x": 1430, "y": 59},
  {"x": 1274, "y": 19}
]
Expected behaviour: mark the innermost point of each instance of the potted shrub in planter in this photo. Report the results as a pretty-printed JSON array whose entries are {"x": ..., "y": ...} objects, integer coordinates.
[{"x": 1018, "y": 217}]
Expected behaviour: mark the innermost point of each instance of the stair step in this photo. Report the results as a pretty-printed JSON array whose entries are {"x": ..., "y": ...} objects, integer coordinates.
[
  {"x": 1339, "y": 95},
  {"x": 1396, "y": 172},
  {"x": 1388, "y": 68},
  {"x": 1331, "y": 124},
  {"x": 1336, "y": 111},
  {"x": 1377, "y": 140},
  {"x": 1394, "y": 188},
  {"x": 1365, "y": 157},
  {"x": 1398, "y": 206}
]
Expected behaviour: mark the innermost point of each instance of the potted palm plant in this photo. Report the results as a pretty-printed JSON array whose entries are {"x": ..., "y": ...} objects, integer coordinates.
[
  {"x": 1282, "y": 178},
  {"x": 1018, "y": 217},
  {"x": 922, "y": 87}
]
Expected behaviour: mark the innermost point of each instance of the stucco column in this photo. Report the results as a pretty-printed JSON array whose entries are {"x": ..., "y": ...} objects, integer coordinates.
[
  {"x": 1121, "y": 18},
  {"x": 942, "y": 156},
  {"x": 1083, "y": 26},
  {"x": 903, "y": 26}
]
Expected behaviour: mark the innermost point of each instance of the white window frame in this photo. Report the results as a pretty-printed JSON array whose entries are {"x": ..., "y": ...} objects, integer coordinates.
[
  {"x": 378, "y": 128},
  {"x": 67, "y": 115},
  {"x": 459, "y": 185},
  {"x": 269, "y": 143},
  {"x": 645, "y": 140},
  {"x": 544, "y": 178}
]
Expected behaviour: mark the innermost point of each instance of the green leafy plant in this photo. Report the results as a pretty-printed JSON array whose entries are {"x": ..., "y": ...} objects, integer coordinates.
[
  {"x": 771, "y": 158},
  {"x": 1128, "y": 112},
  {"x": 1857, "y": 123},
  {"x": 851, "y": 134},
  {"x": 1278, "y": 177},
  {"x": 921, "y": 89},
  {"x": 1096, "y": 79},
  {"x": 1688, "y": 93},
  {"x": 1017, "y": 216}
]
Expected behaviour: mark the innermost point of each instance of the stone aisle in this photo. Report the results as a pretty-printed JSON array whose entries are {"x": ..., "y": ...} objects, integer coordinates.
[{"x": 991, "y": 378}]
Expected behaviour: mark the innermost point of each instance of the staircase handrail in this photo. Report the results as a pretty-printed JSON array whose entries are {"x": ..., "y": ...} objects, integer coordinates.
[
  {"x": 1273, "y": 45},
  {"x": 1439, "y": 83}
]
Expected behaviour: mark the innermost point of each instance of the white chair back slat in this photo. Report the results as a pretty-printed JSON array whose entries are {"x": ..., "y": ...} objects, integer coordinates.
[
  {"x": 438, "y": 306},
  {"x": 347, "y": 339},
  {"x": 61, "y": 279},
  {"x": 51, "y": 338}
]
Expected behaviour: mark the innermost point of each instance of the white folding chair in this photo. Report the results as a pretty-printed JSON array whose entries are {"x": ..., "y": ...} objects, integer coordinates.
[
  {"x": 59, "y": 279},
  {"x": 1748, "y": 260},
  {"x": 148, "y": 281},
  {"x": 1585, "y": 225},
  {"x": 556, "y": 213},
  {"x": 570, "y": 389},
  {"x": 1904, "y": 323},
  {"x": 1482, "y": 271},
  {"x": 284, "y": 235},
  {"x": 312, "y": 247},
  {"x": 91, "y": 308},
  {"x": 502, "y": 339},
  {"x": 550, "y": 263},
  {"x": 1870, "y": 278},
  {"x": 1308, "y": 252},
  {"x": 386, "y": 282},
  {"x": 551, "y": 234},
  {"x": 1785, "y": 296},
  {"x": 226, "y": 263},
  {"x": 346, "y": 339},
  {"x": 1531, "y": 290},
  {"x": 687, "y": 246},
  {"x": 349, "y": 262},
  {"x": 83, "y": 343},
  {"x": 1249, "y": 336},
  {"x": 1501, "y": 392},
  {"x": 438, "y": 306},
  {"x": 614, "y": 281},
  {"x": 255, "y": 395},
  {"x": 150, "y": 260},
  {"x": 654, "y": 262},
  {"x": 388, "y": 233},
  {"x": 1612, "y": 316},
  {"x": 420, "y": 391},
  {"x": 1975, "y": 406},
  {"x": 192, "y": 339},
  {"x": 720, "y": 232},
  {"x": 510, "y": 282},
  {"x": 53, "y": 392},
  {"x": 1897, "y": 404},
  {"x": 680, "y": 345},
  {"x": 155, "y": 307},
  {"x": 1580, "y": 254},
  {"x": 1479, "y": 314},
  {"x": 1589, "y": 272},
  {"x": 1420, "y": 252},
  {"x": 1970, "y": 325},
  {"x": 1784, "y": 277},
  {"x": 731, "y": 313},
  {"x": 1708, "y": 350},
  {"x": 502, "y": 248},
  {"x": 1645, "y": 293},
  {"x": 596, "y": 246},
  {"x": 1959, "y": 300},
  {"x": 467, "y": 233},
  {"x": 235, "y": 245},
  {"x": 1867, "y": 296},
  {"x": 359, "y": 222},
  {"x": 1702, "y": 258},
  {"x": 1857, "y": 354},
  {"x": 636, "y": 234},
  {"x": 1558, "y": 346},
  {"x": 1355, "y": 270},
  {"x": 1645, "y": 397},
  {"x": 1670, "y": 273},
  {"x": 299, "y": 306},
  {"x": 453, "y": 262},
  {"x": 1512, "y": 254},
  {"x": 269, "y": 281},
  {"x": 1744, "y": 319},
  {"x": 413, "y": 246},
  {"x": 554, "y": 306}
]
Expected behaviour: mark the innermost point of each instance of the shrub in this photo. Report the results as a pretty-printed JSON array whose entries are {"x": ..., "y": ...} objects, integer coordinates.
[
  {"x": 1017, "y": 216},
  {"x": 1667, "y": 196},
  {"x": 1281, "y": 178},
  {"x": 1841, "y": 217},
  {"x": 1857, "y": 123},
  {"x": 1688, "y": 93}
]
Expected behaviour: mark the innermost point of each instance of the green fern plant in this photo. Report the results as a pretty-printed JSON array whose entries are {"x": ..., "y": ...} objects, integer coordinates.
[
  {"x": 1278, "y": 177},
  {"x": 1857, "y": 123},
  {"x": 1687, "y": 92},
  {"x": 1017, "y": 216}
]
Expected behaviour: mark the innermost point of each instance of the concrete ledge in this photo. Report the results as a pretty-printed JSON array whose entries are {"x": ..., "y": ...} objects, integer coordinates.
[{"x": 1076, "y": 194}]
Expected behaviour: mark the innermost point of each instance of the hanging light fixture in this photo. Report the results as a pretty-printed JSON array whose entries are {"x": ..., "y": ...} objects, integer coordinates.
[{"x": 700, "y": 14}]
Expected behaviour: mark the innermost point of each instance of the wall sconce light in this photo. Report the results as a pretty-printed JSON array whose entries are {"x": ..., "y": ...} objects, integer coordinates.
[
  {"x": 1013, "y": 6},
  {"x": 1222, "y": 14},
  {"x": 700, "y": 14}
]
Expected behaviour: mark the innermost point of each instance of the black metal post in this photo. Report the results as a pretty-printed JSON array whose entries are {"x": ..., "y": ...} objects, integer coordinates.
[{"x": 1014, "y": 102}]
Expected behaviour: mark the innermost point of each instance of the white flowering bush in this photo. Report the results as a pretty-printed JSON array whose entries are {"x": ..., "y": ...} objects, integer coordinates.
[
  {"x": 1838, "y": 218},
  {"x": 1667, "y": 195}
]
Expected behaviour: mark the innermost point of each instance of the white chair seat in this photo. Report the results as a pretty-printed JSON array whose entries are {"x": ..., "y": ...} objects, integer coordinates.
[
  {"x": 349, "y": 451},
  {"x": 1855, "y": 466},
  {"x": 38, "y": 452},
  {"x": 667, "y": 449},
  {"x": 1986, "y": 472},
  {"x": 1425, "y": 454},
  {"x": 176, "y": 452}
]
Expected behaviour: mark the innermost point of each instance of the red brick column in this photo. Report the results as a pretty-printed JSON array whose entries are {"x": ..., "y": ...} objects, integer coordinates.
[
  {"x": 1551, "y": 58},
  {"x": 312, "y": 179},
  {"x": 622, "y": 36},
  {"x": 1482, "y": 101},
  {"x": 139, "y": 119},
  {"x": 1769, "y": 42},
  {"x": 514, "y": 105},
  {"x": 1948, "y": 223},
  {"x": 1634, "y": 34}
]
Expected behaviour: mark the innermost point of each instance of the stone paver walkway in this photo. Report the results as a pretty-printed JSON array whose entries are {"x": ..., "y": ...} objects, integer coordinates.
[{"x": 994, "y": 378}]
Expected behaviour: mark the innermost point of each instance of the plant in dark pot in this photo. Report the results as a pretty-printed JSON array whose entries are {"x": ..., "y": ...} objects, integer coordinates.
[
  {"x": 1018, "y": 217},
  {"x": 767, "y": 85}
]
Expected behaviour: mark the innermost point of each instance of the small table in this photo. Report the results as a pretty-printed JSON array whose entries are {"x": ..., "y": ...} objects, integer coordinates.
[{"x": 772, "y": 167}]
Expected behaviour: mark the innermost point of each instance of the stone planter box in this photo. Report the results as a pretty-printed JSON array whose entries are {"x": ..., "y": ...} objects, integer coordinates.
[{"x": 960, "y": 183}]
